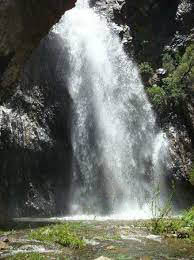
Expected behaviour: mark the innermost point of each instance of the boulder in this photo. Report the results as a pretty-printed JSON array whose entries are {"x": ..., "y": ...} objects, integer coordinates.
[
  {"x": 3, "y": 246},
  {"x": 103, "y": 258},
  {"x": 22, "y": 25}
]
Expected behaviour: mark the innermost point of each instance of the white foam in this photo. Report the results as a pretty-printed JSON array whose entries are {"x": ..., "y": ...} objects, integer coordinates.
[{"x": 118, "y": 154}]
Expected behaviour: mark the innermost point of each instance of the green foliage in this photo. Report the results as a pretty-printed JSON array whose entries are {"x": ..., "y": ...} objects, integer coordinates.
[
  {"x": 188, "y": 218},
  {"x": 5, "y": 232},
  {"x": 188, "y": 56},
  {"x": 157, "y": 95},
  {"x": 145, "y": 67},
  {"x": 184, "y": 225},
  {"x": 168, "y": 62},
  {"x": 191, "y": 175},
  {"x": 164, "y": 226},
  {"x": 173, "y": 89},
  {"x": 160, "y": 212},
  {"x": 146, "y": 71},
  {"x": 28, "y": 256},
  {"x": 60, "y": 233},
  {"x": 192, "y": 75}
]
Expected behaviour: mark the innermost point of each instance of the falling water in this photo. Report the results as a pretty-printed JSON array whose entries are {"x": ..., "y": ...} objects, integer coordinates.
[{"x": 119, "y": 155}]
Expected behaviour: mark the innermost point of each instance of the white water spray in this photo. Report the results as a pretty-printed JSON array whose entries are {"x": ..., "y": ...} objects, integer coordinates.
[{"x": 118, "y": 153}]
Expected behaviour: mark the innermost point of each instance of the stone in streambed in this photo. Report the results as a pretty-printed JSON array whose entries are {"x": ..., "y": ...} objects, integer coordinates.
[
  {"x": 182, "y": 234},
  {"x": 4, "y": 239},
  {"x": 110, "y": 247},
  {"x": 3, "y": 246},
  {"x": 102, "y": 258}
]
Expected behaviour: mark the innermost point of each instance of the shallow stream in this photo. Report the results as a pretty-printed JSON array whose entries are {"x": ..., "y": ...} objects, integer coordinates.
[{"x": 118, "y": 240}]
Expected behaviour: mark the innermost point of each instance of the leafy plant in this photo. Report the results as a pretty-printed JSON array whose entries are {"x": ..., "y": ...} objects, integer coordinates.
[
  {"x": 60, "y": 233},
  {"x": 173, "y": 89},
  {"x": 160, "y": 211},
  {"x": 146, "y": 71},
  {"x": 168, "y": 62},
  {"x": 191, "y": 174},
  {"x": 183, "y": 226},
  {"x": 145, "y": 67},
  {"x": 28, "y": 256},
  {"x": 188, "y": 218},
  {"x": 157, "y": 95}
]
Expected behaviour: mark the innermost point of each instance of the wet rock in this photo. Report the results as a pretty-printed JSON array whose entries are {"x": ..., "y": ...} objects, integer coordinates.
[
  {"x": 150, "y": 29},
  {"x": 35, "y": 139},
  {"x": 154, "y": 237},
  {"x": 161, "y": 72},
  {"x": 23, "y": 137},
  {"x": 91, "y": 242},
  {"x": 184, "y": 8},
  {"x": 115, "y": 11},
  {"x": 110, "y": 248},
  {"x": 102, "y": 258},
  {"x": 146, "y": 258},
  {"x": 170, "y": 236},
  {"x": 155, "y": 79},
  {"x": 22, "y": 26},
  {"x": 4, "y": 239},
  {"x": 182, "y": 234},
  {"x": 32, "y": 248},
  {"x": 180, "y": 150},
  {"x": 3, "y": 245}
]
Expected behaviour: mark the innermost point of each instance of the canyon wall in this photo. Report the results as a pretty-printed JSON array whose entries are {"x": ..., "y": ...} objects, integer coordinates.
[
  {"x": 35, "y": 107},
  {"x": 159, "y": 35},
  {"x": 31, "y": 110}
]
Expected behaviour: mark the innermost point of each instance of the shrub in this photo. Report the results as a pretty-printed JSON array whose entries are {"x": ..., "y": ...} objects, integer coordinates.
[
  {"x": 29, "y": 256},
  {"x": 188, "y": 218},
  {"x": 163, "y": 225},
  {"x": 60, "y": 233},
  {"x": 191, "y": 175},
  {"x": 157, "y": 96},
  {"x": 174, "y": 88},
  {"x": 183, "y": 226},
  {"x": 168, "y": 62},
  {"x": 145, "y": 67},
  {"x": 146, "y": 71}
]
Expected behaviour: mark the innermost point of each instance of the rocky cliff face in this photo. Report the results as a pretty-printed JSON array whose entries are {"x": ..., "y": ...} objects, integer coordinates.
[
  {"x": 22, "y": 25},
  {"x": 35, "y": 145},
  {"x": 163, "y": 31},
  {"x": 160, "y": 30},
  {"x": 35, "y": 137},
  {"x": 159, "y": 36},
  {"x": 33, "y": 134}
]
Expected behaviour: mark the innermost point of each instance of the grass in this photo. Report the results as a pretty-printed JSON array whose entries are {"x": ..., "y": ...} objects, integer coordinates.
[
  {"x": 188, "y": 218},
  {"x": 29, "y": 256},
  {"x": 35, "y": 256},
  {"x": 7, "y": 232},
  {"x": 183, "y": 227},
  {"x": 191, "y": 175},
  {"x": 62, "y": 234}
]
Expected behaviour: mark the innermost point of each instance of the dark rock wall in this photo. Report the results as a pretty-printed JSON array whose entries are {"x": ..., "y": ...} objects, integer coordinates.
[
  {"x": 35, "y": 150},
  {"x": 159, "y": 26},
  {"x": 22, "y": 25},
  {"x": 35, "y": 137},
  {"x": 35, "y": 108},
  {"x": 147, "y": 30}
]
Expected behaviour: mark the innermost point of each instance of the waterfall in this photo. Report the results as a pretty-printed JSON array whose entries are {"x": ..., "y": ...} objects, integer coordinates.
[{"x": 119, "y": 154}]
